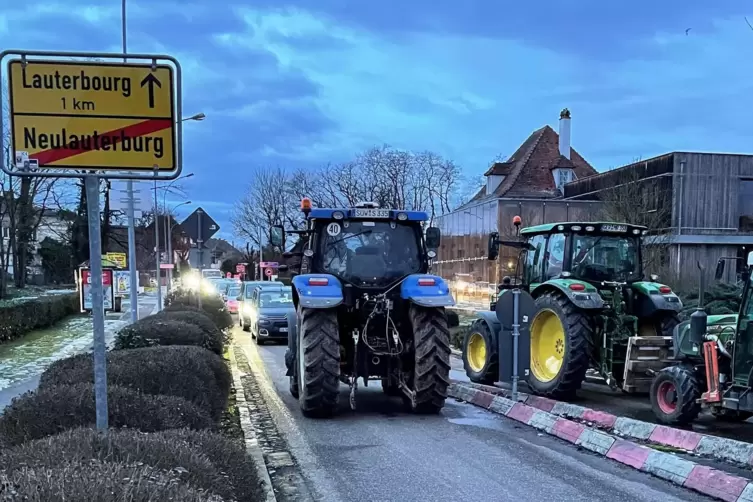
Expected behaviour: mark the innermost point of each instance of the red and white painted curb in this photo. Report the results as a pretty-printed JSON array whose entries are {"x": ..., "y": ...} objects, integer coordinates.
[{"x": 552, "y": 417}]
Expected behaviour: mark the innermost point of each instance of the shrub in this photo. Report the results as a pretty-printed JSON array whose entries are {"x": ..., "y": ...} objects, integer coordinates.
[
  {"x": 201, "y": 320},
  {"x": 18, "y": 317},
  {"x": 187, "y": 372},
  {"x": 157, "y": 450},
  {"x": 212, "y": 305},
  {"x": 721, "y": 298},
  {"x": 54, "y": 409},
  {"x": 153, "y": 330},
  {"x": 100, "y": 481}
]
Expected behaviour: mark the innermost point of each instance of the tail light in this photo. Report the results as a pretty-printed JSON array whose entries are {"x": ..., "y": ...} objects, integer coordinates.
[
  {"x": 427, "y": 281},
  {"x": 318, "y": 281},
  {"x": 577, "y": 287},
  {"x": 665, "y": 290}
]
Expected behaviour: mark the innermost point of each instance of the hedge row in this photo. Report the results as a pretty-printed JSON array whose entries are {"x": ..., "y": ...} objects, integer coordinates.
[
  {"x": 165, "y": 400},
  {"x": 21, "y": 316}
]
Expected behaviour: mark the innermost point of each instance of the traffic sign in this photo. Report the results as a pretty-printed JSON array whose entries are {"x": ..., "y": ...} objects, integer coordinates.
[
  {"x": 92, "y": 115},
  {"x": 240, "y": 268},
  {"x": 199, "y": 218},
  {"x": 269, "y": 264},
  {"x": 269, "y": 272}
]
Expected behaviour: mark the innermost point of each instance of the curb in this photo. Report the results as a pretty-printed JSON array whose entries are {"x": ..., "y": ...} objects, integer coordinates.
[
  {"x": 700, "y": 478},
  {"x": 249, "y": 432},
  {"x": 738, "y": 453}
]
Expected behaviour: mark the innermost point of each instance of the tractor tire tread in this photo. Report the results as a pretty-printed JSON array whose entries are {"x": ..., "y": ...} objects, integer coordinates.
[
  {"x": 689, "y": 390},
  {"x": 579, "y": 342},
  {"x": 431, "y": 374},
  {"x": 320, "y": 344}
]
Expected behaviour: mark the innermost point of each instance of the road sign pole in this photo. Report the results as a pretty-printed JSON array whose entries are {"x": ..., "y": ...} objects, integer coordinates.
[
  {"x": 132, "y": 255},
  {"x": 515, "y": 341},
  {"x": 200, "y": 252},
  {"x": 98, "y": 300},
  {"x": 156, "y": 249}
]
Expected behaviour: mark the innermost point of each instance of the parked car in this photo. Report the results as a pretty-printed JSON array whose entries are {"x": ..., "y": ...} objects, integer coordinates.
[
  {"x": 268, "y": 313},
  {"x": 231, "y": 298}
]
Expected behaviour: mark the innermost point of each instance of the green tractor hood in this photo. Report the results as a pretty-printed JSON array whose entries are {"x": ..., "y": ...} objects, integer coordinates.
[{"x": 722, "y": 325}]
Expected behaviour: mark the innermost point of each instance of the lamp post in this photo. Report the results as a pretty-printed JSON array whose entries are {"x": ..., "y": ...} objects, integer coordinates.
[{"x": 169, "y": 239}]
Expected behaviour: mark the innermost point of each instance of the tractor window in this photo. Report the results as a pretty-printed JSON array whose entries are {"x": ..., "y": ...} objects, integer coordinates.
[
  {"x": 606, "y": 258},
  {"x": 533, "y": 259},
  {"x": 555, "y": 255},
  {"x": 369, "y": 253}
]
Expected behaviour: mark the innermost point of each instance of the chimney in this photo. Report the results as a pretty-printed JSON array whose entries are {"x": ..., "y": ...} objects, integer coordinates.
[{"x": 565, "y": 133}]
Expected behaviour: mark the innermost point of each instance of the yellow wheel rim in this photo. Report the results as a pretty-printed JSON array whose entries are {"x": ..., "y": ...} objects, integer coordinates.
[
  {"x": 476, "y": 352},
  {"x": 547, "y": 345}
]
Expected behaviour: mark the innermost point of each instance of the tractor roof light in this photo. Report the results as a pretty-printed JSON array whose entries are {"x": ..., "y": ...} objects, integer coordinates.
[
  {"x": 636, "y": 231},
  {"x": 560, "y": 227},
  {"x": 516, "y": 220},
  {"x": 338, "y": 215},
  {"x": 306, "y": 204},
  {"x": 589, "y": 228},
  {"x": 402, "y": 216},
  {"x": 576, "y": 228}
]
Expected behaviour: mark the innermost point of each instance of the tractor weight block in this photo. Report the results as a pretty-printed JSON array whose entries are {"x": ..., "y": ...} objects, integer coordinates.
[{"x": 505, "y": 309}]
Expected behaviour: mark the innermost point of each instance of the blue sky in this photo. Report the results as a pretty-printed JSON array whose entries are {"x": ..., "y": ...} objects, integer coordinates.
[{"x": 304, "y": 83}]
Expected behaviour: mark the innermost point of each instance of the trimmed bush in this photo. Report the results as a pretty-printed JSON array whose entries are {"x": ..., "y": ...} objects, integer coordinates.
[
  {"x": 721, "y": 298},
  {"x": 100, "y": 481},
  {"x": 18, "y": 317},
  {"x": 152, "y": 331},
  {"x": 157, "y": 450},
  {"x": 182, "y": 371},
  {"x": 201, "y": 320},
  {"x": 212, "y": 305},
  {"x": 54, "y": 409}
]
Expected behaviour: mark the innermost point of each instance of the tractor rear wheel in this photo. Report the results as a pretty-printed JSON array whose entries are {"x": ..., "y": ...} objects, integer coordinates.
[
  {"x": 431, "y": 372},
  {"x": 674, "y": 395},
  {"x": 318, "y": 362},
  {"x": 480, "y": 358},
  {"x": 561, "y": 338}
]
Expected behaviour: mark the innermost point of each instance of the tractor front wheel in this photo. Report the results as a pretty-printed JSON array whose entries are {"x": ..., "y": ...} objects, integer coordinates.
[
  {"x": 430, "y": 380},
  {"x": 318, "y": 362},
  {"x": 561, "y": 338},
  {"x": 674, "y": 395},
  {"x": 479, "y": 355}
]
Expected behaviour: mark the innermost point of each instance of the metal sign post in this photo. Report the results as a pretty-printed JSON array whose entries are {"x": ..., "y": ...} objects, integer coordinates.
[
  {"x": 200, "y": 249},
  {"x": 515, "y": 341},
  {"x": 515, "y": 310},
  {"x": 132, "y": 255},
  {"x": 93, "y": 116}
]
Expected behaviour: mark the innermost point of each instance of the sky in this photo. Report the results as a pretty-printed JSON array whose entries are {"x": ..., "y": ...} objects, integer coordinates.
[{"x": 305, "y": 83}]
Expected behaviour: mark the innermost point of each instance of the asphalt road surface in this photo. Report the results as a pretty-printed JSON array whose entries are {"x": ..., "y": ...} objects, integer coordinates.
[{"x": 381, "y": 453}]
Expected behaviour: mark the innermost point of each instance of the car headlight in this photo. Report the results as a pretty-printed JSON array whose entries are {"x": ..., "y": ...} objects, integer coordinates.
[{"x": 263, "y": 320}]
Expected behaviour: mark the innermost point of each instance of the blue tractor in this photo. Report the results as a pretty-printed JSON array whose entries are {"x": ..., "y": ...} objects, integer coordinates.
[{"x": 366, "y": 307}]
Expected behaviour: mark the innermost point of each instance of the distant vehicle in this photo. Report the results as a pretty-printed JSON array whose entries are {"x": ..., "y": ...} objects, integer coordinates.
[
  {"x": 211, "y": 273},
  {"x": 231, "y": 298},
  {"x": 244, "y": 299},
  {"x": 268, "y": 312}
]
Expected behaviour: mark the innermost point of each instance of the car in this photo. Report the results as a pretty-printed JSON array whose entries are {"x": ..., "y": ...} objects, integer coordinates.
[
  {"x": 268, "y": 313},
  {"x": 231, "y": 298},
  {"x": 245, "y": 297}
]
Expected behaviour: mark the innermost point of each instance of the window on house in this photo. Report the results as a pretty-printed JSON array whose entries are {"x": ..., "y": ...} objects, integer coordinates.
[
  {"x": 562, "y": 177},
  {"x": 6, "y": 233}
]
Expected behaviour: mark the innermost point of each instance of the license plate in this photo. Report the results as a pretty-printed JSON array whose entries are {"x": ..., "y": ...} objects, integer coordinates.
[
  {"x": 283, "y": 330},
  {"x": 372, "y": 213},
  {"x": 614, "y": 228}
]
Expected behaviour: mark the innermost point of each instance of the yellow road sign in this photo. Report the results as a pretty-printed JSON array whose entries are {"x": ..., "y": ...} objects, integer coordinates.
[
  {"x": 93, "y": 115},
  {"x": 118, "y": 259}
]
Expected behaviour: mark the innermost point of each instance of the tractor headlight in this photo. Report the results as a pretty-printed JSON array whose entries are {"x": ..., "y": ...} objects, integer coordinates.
[
  {"x": 589, "y": 228},
  {"x": 402, "y": 216},
  {"x": 338, "y": 215},
  {"x": 431, "y": 254},
  {"x": 636, "y": 231}
]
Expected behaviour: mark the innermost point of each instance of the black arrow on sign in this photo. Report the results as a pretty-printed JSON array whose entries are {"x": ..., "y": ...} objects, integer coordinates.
[{"x": 151, "y": 80}]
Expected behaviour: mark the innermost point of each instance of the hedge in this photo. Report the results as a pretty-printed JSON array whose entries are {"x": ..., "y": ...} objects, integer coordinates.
[
  {"x": 21, "y": 316},
  {"x": 54, "y": 409},
  {"x": 192, "y": 373},
  {"x": 207, "y": 457},
  {"x": 100, "y": 481},
  {"x": 157, "y": 330},
  {"x": 198, "y": 318},
  {"x": 212, "y": 304}
]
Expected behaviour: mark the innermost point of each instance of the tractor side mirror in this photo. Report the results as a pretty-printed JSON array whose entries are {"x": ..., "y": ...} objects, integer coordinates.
[
  {"x": 719, "y": 270},
  {"x": 750, "y": 258},
  {"x": 277, "y": 236},
  {"x": 433, "y": 238},
  {"x": 493, "y": 246}
]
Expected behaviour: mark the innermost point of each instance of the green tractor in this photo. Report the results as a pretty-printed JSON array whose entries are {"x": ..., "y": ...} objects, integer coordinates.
[
  {"x": 593, "y": 310},
  {"x": 713, "y": 363}
]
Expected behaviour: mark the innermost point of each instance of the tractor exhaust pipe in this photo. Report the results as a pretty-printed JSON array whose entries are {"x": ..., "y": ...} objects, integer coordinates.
[
  {"x": 698, "y": 319},
  {"x": 375, "y": 360}
]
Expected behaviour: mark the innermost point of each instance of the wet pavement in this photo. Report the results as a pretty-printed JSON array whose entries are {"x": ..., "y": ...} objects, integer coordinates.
[{"x": 380, "y": 452}]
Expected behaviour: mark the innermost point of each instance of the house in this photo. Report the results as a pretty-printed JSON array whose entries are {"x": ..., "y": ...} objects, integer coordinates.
[
  {"x": 529, "y": 184},
  {"x": 698, "y": 207}
]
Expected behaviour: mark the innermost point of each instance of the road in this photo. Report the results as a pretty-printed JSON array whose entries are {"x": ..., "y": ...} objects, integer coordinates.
[{"x": 381, "y": 453}]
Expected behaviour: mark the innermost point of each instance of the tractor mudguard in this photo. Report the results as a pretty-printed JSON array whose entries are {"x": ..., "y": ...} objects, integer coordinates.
[
  {"x": 314, "y": 293},
  {"x": 581, "y": 294},
  {"x": 420, "y": 289},
  {"x": 292, "y": 318},
  {"x": 490, "y": 318},
  {"x": 649, "y": 299}
]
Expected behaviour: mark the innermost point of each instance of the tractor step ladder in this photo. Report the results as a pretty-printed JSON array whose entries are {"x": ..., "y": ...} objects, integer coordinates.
[{"x": 645, "y": 355}]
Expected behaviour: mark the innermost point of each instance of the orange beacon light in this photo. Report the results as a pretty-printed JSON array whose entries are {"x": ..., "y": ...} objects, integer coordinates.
[{"x": 305, "y": 204}]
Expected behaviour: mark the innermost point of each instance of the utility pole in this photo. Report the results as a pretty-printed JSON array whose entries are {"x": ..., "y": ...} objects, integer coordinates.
[{"x": 134, "y": 293}]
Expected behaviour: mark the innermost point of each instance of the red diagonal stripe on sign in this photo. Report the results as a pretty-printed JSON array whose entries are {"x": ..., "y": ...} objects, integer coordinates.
[{"x": 46, "y": 157}]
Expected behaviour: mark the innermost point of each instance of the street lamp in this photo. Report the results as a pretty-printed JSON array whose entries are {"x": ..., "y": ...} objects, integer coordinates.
[
  {"x": 169, "y": 240},
  {"x": 198, "y": 117},
  {"x": 156, "y": 235}
]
